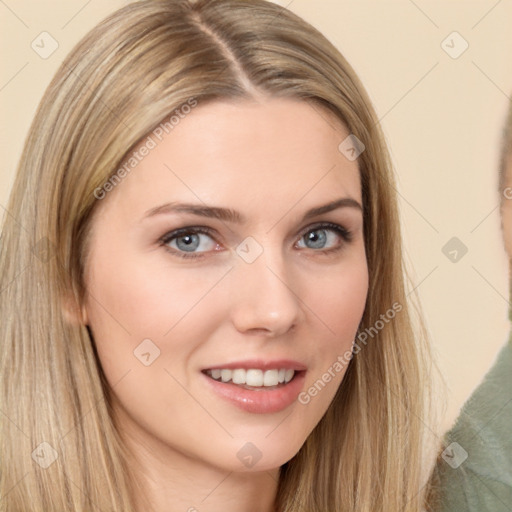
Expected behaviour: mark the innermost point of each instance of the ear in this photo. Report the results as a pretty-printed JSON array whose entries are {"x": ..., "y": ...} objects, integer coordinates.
[
  {"x": 506, "y": 208},
  {"x": 506, "y": 226},
  {"x": 72, "y": 312}
]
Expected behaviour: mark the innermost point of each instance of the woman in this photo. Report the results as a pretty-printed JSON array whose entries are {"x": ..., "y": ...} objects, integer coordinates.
[{"x": 204, "y": 304}]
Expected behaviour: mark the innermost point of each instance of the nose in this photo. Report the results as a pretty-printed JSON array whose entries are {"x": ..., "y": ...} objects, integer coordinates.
[{"x": 262, "y": 299}]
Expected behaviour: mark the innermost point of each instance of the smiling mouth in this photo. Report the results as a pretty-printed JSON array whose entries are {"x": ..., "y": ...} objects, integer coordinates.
[{"x": 253, "y": 379}]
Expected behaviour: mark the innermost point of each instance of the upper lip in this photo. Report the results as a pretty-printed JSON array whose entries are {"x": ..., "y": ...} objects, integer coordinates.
[{"x": 261, "y": 364}]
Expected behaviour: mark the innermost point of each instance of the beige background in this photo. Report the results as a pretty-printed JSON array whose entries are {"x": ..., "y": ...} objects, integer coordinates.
[{"x": 442, "y": 118}]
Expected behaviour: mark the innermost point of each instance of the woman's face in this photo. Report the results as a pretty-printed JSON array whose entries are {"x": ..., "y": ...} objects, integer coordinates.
[{"x": 232, "y": 252}]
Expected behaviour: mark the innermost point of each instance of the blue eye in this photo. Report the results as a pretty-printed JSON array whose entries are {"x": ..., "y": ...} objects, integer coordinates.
[
  {"x": 193, "y": 242},
  {"x": 324, "y": 237},
  {"x": 189, "y": 240}
]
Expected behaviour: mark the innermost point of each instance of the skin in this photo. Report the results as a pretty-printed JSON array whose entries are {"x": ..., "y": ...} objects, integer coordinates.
[
  {"x": 506, "y": 211},
  {"x": 271, "y": 160}
]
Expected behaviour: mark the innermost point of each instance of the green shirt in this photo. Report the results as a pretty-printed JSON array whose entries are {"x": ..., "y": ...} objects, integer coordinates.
[{"x": 475, "y": 469}]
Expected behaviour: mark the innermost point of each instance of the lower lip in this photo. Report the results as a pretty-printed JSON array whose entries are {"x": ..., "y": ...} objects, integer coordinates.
[{"x": 259, "y": 401}]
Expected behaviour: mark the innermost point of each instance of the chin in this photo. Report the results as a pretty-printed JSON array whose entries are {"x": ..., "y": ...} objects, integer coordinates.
[{"x": 262, "y": 455}]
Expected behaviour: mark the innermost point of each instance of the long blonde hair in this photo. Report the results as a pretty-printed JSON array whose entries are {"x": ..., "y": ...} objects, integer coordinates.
[{"x": 127, "y": 75}]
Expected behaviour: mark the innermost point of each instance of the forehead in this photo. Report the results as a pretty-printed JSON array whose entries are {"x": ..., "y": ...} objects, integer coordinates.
[{"x": 242, "y": 153}]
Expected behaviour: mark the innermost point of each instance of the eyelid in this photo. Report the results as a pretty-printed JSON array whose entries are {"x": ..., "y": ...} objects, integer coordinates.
[
  {"x": 342, "y": 230},
  {"x": 175, "y": 233}
]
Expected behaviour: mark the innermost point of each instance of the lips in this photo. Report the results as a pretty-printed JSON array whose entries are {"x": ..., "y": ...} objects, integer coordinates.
[{"x": 257, "y": 386}]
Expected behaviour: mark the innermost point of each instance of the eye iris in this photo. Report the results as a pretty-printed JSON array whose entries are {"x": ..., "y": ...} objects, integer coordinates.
[
  {"x": 188, "y": 242},
  {"x": 316, "y": 239}
]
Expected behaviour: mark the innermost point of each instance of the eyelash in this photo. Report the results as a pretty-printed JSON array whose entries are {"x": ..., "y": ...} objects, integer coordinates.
[{"x": 345, "y": 234}]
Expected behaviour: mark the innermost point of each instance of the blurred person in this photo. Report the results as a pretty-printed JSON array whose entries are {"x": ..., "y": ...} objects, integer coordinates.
[{"x": 474, "y": 471}]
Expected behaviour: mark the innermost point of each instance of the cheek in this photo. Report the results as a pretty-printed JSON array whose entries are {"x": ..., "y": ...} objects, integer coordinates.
[
  {"x": 141, "y": 298},
  {"x": 339, "y": 302},
  {"x": 339, "y": 306},
  {"x": 131, "y": 301}
]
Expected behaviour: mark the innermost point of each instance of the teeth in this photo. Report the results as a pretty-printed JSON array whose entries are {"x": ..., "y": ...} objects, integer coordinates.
[
  {"x": 253, "y": 377},
  {"x": 225, "y": 375},
  {"x": 270, "y": 378},
  {"x": 238, "y": 377},
  {"x": 288, "y": 376}
]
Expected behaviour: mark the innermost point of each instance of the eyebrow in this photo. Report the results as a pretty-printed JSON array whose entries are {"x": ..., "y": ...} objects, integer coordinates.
[{"x": 229, "y": 215}]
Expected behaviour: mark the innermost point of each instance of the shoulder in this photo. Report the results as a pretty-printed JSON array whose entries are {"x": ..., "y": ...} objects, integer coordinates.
[{"x": 475, "y": 468}]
